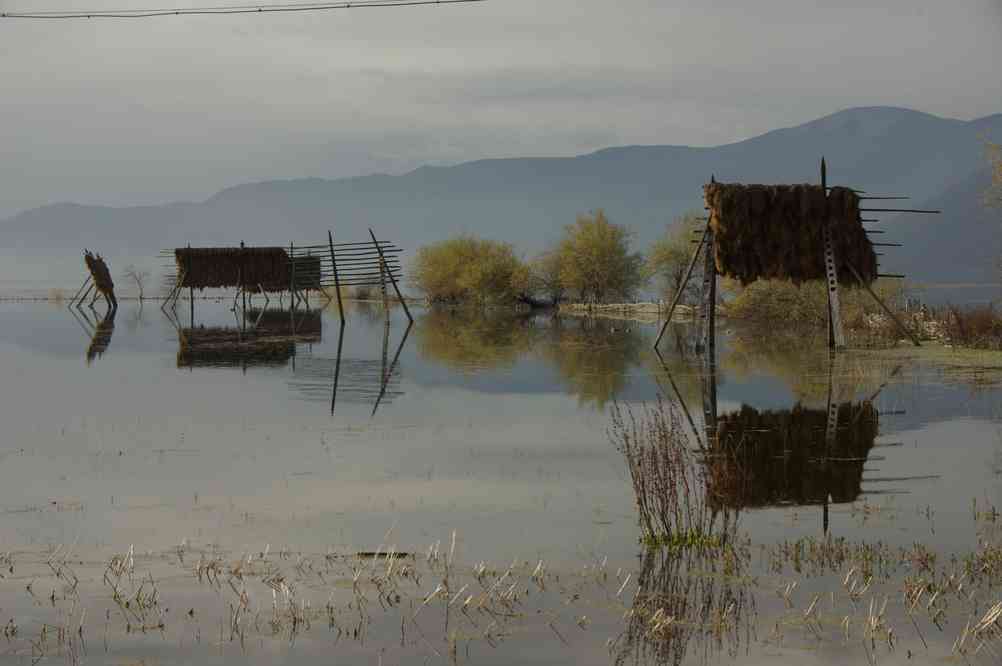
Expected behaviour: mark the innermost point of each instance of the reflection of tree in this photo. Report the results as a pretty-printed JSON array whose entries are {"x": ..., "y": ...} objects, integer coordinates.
[
  {"x": 469, "y": 339},
  {"x": 802, "y": 364},
  {"x": 693, "y": 596},
  {"x": 593, "y": 356}
]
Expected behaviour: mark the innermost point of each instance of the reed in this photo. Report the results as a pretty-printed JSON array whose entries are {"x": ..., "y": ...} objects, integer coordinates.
[{"x": 670, "y": 484}]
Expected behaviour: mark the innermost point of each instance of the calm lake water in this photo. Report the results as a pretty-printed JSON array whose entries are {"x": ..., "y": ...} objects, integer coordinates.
[{"x": 147, "y": 433}]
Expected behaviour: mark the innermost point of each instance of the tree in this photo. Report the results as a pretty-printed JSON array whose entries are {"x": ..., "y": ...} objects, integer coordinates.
[
  {"x": 468, "y": 269},
  {"x": 595, "y": 259},
  {"x": 994, "y": 197},
  {"x": 544, "y": 277},
  {"x": 670, "y": 255},
  {"x": 139, "y": 276}
]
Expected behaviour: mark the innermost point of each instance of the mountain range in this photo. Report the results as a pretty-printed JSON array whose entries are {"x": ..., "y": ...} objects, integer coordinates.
[{"x": 939, "y": 162}]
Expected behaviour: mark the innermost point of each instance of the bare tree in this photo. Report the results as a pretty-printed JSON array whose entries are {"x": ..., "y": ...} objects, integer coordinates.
[{"x": 139, "y": 276}]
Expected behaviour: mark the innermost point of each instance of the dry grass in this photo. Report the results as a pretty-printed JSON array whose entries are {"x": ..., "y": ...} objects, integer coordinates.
[{"x": 670, "y": 483}]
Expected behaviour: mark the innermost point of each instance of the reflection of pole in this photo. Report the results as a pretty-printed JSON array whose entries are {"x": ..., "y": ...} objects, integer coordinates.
[
  {"x": 678, "y": 394},
  {"x": 393, "y": 365},
  {"x": 831, "y": 433},
  {"x": 337, "y": 365}
]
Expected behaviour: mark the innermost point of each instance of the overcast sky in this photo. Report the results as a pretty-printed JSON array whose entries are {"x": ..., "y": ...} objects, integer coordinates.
[{"x": 148, "y": 111}]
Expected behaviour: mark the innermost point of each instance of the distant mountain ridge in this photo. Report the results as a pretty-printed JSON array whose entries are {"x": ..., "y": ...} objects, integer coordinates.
[{"x": 527, "y": 201}]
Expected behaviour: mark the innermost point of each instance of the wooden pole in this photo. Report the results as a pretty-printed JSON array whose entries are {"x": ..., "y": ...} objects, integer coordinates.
[
  {"x": 836, "y": 335},
  {"x": 337, "y": 281},
  {"x": 243, "y": 273},
  {"x": 191, "y": 291},
  {"x": 393, "y": 280},
  {"x": 292, "y": 271},
  {"x": 685, "y": 282},
  {"x": 883, "y": 306}
]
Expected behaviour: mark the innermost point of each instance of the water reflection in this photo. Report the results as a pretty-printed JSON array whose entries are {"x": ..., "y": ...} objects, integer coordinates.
[
  {"x": 474, "y": 340},
  {"x": 351, "y": 380},
  {"x": 690, "y": 601},
  {"x": 100, "y": 332},
  {"x": 781, "y": 457},
  {"x": 265, "y": 338},
  {"x": 592, "y": 357}
]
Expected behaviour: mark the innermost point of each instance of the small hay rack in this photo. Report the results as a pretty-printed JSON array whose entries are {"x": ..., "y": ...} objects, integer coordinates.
[
  {"x": 296, "y": 270},
  {"x": 98, "y": 281}
]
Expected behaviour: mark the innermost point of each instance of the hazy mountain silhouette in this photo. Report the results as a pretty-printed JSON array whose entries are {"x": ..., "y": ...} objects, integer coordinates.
[{"x": 527, "y": 201}]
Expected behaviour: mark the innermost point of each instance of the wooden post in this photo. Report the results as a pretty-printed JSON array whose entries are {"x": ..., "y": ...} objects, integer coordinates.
[
  {"x": 393, "y": 280},
  {"x": 292, "y": 272},
  {"x": 337, "y": 281},
  {"x": 685, "y": 282},
  {"x": 836, "y": 335},
  {"x": 883, "y": 305},
  {"x": 243, "y": 273}
]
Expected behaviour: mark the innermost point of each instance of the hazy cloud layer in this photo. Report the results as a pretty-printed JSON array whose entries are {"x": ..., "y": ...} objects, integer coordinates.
[{"x": 175, "y": 108}]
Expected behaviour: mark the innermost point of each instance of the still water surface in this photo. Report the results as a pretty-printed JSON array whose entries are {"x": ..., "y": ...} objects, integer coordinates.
[{"x": 146, "y": 432}]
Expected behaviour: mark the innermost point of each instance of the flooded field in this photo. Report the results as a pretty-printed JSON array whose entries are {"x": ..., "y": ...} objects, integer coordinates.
[{"x": 272, "y": 489}]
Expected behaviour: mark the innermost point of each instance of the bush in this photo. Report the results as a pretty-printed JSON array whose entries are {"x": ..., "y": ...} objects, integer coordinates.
[
  {"x": 595, "y": 260},
  {"x": 979, "y": 327},
  {"x": 469, "y": 269}
]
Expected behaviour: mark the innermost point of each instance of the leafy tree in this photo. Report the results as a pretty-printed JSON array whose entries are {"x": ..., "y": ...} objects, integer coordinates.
[
  {"x": 544, "y": 277},
  {"x": 670, "y": 255},
  {"x": 595, "y": 259},
  {"x": 469, "y": 269}
]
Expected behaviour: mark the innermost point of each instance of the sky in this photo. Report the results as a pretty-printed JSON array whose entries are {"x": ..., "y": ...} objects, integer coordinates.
[{"x": 149, "y": 111}]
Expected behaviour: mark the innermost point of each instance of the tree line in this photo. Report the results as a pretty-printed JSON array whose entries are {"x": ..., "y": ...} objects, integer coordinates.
[{"x": 593, "y": 262}]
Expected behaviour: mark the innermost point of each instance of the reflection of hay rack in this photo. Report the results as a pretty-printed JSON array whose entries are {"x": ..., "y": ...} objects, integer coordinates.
[
  {"x": 232, "y": 347},
  {"x": 99, "y": 332},
  {"x": 350, "y": 380},
  {"x": 792, "y": 232},
  {"x": 779, "y": 457},
  {"x": 305, "y": 325},
  {"x": 796, "y": 456}
]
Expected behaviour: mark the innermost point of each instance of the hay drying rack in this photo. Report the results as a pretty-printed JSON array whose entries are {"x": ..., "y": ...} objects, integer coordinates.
[
  {"x": 306, "y": 267},
  {"x": 706, "y": 345}
]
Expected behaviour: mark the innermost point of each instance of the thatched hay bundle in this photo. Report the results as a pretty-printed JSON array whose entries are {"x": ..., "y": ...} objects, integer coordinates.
[
  {"x": 253, "y": 268},
  {"x": 99, "y": 273},
  {"x": 780, "y": 457},
  {"x": 775, "y": 231}
]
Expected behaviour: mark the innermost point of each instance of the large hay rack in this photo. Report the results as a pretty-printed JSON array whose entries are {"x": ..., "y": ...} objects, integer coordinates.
[{"x": 791, "y": 232}]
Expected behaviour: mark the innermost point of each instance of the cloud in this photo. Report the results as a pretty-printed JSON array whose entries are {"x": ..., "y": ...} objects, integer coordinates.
[{"x": 146, "y": 111}]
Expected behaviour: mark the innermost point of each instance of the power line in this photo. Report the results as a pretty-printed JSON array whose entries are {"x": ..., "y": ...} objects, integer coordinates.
[{"x": 268, "y": 8}]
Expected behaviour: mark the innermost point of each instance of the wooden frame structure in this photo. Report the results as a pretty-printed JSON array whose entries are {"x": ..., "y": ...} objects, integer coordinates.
[
  {"x": 302, "y": 269},
  {"x": 98, "y": 281},
  {"x": 706, "y": 248}
]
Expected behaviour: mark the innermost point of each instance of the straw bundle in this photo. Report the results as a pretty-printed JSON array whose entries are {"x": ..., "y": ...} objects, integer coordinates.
[
  {"x": 253, "y": 268},
  {"x": 780, "y": 457},
  {"x": 775, "y": 231}
]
